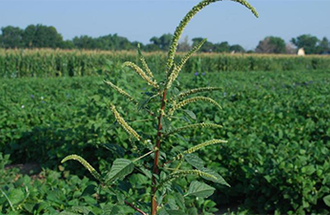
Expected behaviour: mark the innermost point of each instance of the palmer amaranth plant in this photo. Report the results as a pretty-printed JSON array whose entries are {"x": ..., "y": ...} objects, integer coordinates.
[{"x": 166, "y": 166}]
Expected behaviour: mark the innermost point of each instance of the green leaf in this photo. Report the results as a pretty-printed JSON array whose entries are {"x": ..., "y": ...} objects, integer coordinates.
[
  {"x": 138, "y": 180},
  {"x": 114, "y": 211},
  {"x": 120, "y": 168},
  {"x": 16, "y": 196},
  {"x": 111, "y": 210},
  {"x": 12, "y": 213},
  {"x": 29, "y": 206},
  {"x": 194, "y": 160},
  {"x": 146, "y": 172},
  {"x": 326, "y": 200},
  {"x": 198, "y": 163},
  {"x": 89, "y": 200},
  {"x": 174, "y": 212},
  {"x": 120, "y": 198},
  {"x": 179, "y": 200},
  {"x": 309, "y": 170},
  {"x": 166, "y": 124},
  {"x": 175, "y": 91},
  {"x": 80, "y": 209},
  {"x": 219, "y": 179},
  {"x": 68, "y": 213},
  {"x": 115, "y": 148},
  {"x": 192, "y": 211},
  {"x": 163, "y": 211},
  {"x": 200, "y": 189},
  {"x": 45, "y": 205},
  {"x": 190, "y": 114},
  {"x": 89, "y": 190}
]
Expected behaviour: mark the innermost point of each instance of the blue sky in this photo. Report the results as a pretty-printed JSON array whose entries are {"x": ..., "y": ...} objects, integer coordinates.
[{"x": 139, "y": 20}]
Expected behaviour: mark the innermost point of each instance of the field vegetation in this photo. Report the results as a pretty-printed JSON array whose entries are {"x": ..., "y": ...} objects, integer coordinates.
[
  {"x": 249, "y": 131},
  {"x": 276, "y": 124},
  {"x": 69, "y": 63}
]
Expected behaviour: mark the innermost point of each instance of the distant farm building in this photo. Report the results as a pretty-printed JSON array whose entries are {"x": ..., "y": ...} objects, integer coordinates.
[{"x": 301, "y": 52}]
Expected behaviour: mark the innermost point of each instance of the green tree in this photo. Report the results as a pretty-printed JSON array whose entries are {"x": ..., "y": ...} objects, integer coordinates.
[
  {"x": 163, "y": 42},
  {"x": 207, "y": 47},
  {"x": 41, "y": 36},
  {"x": 29, "y": 36},
  {"x": 221, "y": 47},
  {"x": 84, "y": 42},
  {"x": 108, "y": 42},
  {"x": 67, "y": 44},
  {"x": 11, "y": 37},
  {"x": 151, "y": 48},
  {"x": 113, "y": 42},
  {"x": 306, "y": 41},
  {"x": 217, "y": 47},
  {"x": 236, "y": 48},
  {"x": 270, "y": 45},
  {"x": 323, "y": 46}
]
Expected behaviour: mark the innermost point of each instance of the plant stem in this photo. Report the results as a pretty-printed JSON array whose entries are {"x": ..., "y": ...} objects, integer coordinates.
[
  {"x": 155, "y": 170},
  {"x": 135, "y": 208},
  {"x": 10, "y": 204},
  {"x": 139, "y": 158}
]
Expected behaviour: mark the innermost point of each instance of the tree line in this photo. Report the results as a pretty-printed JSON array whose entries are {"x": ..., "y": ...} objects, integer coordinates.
[{"x": 41, "y": 36}]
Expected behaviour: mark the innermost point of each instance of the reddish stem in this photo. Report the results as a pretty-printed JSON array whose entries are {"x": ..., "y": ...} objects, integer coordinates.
[
  {"x": 135, "y": 208},
  {"x": 155, "y": 170}
]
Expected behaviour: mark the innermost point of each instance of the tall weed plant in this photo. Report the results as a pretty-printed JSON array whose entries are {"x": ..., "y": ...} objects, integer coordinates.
[{"x": 162, "y": 167}]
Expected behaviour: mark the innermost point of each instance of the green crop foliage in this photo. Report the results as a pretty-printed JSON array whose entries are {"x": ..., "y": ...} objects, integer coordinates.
[
  {"x": 59, "y": 63},
  {"x": 51, "y": 192},
  {"x": 276, "y": 124},
  {"x": 164, "y": 171}
]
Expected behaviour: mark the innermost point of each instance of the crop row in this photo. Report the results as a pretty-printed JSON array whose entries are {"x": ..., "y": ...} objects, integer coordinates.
[
  {"x": 53, "y": 63},
  {"x": 276, "y": 124}
]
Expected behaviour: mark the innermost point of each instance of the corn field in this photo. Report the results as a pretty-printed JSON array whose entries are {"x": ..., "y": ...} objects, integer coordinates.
[{"x": 62, "y": 63}]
